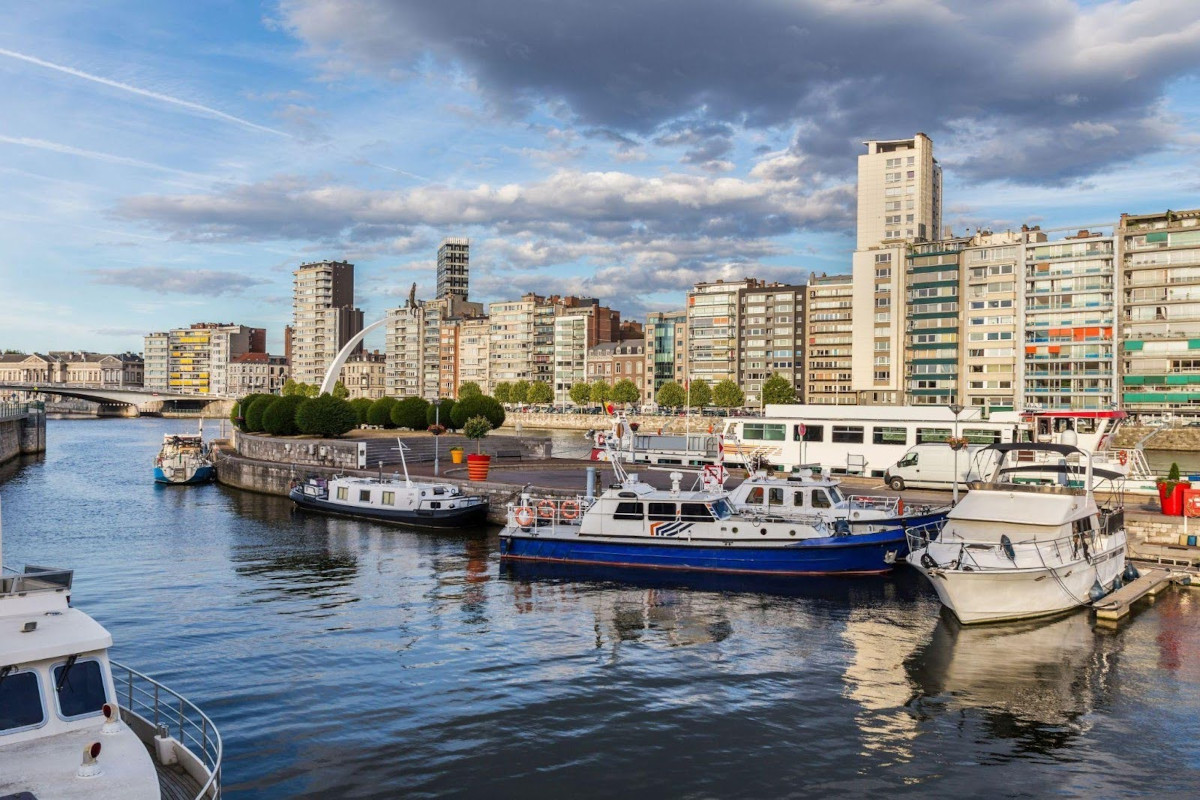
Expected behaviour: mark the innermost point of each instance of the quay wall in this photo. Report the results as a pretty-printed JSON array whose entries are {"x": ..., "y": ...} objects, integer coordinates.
[
  {"x": 602, "y": 422},
  {"x": 22, "y": 434}
]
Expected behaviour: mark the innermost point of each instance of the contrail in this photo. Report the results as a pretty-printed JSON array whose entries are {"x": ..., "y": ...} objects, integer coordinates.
[
  {"x": 55, "y": 147},
  {"x": 166, "y": 98}
]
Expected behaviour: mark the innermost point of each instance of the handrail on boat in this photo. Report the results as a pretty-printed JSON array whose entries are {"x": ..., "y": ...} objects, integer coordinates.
[{"x": 164, "y": 707}]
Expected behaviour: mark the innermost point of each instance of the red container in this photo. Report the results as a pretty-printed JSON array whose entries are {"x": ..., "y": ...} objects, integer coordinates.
[
  {"x": 477, "y": 466},
  {"x": 1172, "y": 504}
]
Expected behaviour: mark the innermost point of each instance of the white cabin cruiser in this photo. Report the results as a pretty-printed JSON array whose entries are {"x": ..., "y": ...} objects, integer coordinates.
[
  {"x": 74, "y": 724},
  {"x": 1013, "y": 549}
]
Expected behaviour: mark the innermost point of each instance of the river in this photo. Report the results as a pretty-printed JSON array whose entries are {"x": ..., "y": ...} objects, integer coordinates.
[{"x": 346, "y": 659}]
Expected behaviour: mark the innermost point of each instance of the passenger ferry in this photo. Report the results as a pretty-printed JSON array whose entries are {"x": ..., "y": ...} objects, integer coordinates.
[
  {"x": 184, "y": 459},
  {"x": 74, "y": 724}
]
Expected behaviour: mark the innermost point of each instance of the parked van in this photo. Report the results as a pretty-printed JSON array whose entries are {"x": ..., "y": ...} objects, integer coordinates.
[{"x": 931, "y": 466}]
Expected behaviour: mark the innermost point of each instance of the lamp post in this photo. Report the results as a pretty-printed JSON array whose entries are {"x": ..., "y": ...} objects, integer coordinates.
[
  {"x": 437, "y": 421},
  {"x": 956, "y": 409}
]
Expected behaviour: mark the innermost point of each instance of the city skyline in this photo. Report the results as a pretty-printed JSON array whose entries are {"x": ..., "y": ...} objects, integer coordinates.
[{"x": 172, "y": 165}]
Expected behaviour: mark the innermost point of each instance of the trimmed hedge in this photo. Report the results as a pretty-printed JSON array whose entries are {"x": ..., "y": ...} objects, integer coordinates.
[
  {"x": 441, "y": 414},
  {"x": 361, "y": 406},
  {"x": 280, "y": 417},
  {"x": 380, "y": 412},
  {"x": 410, "y": 413},
  {"x": 481, "y": 406},
  {"x": 326, "y": 416},
  {"x": 254, "y": 412}
]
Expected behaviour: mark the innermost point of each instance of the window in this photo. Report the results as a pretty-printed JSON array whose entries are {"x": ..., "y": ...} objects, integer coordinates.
[
  {"x": 763, "y": 431},
  {"x": 389, "y": 499},
  {"x": 820, "y": 499},
  {"x": 695, "y": 512},
  {"x": 887, "y": 435},
  {"x": 981, "y": 436},
  {"x": 364, "y": 495},
  {"x": 20, "y": 701},
  {"x": 343, "y": 493},
  {"x": 628, "y": 511},
  {"x": 798, "y": 499},
  {"x": 847, "y": 433},
  {"x": 909, "y": 460},
  {"x": 755, "y": 496},
  {"x": 662, "y": 511},
  {"x": 932, "y": 435},
  {"x": 813, "y": 433},
  {"x": 80, "y": 688},
  {"x": 776, "y": 496}
]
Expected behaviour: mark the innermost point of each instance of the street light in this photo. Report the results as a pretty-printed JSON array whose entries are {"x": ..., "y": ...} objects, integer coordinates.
[
  {"x": 437, "y": 422},
  {"x": 956, "y": 409}
]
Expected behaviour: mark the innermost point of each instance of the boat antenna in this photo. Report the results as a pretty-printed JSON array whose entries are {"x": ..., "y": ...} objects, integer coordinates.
[
  {"x": 400, "y": 447},
  {"x": 612, "y": 444}
]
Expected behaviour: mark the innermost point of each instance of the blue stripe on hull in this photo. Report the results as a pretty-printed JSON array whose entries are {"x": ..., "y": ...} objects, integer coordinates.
[
  {"x": 202, "y": 475},
  {"x": 863, "y": 554}
]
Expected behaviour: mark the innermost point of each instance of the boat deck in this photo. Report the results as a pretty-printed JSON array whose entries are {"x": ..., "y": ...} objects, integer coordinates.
[{"x": 174, "y": 782}]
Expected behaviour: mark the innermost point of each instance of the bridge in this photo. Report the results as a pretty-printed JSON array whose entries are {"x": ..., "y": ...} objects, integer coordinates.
[{"x": 138, "y": 397}]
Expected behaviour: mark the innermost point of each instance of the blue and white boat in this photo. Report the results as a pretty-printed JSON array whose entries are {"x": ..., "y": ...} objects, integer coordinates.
[{"x": 184, "y": 459}]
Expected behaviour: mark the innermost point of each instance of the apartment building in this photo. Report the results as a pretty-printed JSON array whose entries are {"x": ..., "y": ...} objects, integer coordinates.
[
  {"x": 1160, "y": 311},
  {"x": 932, "y": 352},
  {"x": 878, "y": 278},
  {"x": 365, "y": 375},
  {"x": 570, "y": 354},
  {"x": 993, "y": 327},
  {"x": 665, "y": 343},
  {"x": 324, "y": 318},
  {"x": 198, "y": 357},
  {"x": 828, "y": 351},
  {"x": 402, "y": 349},
  {"x": 511, "y": 347},
  {"x": 453, "y": 267},
  {"x": 616, "y": 361},
  {"x": 474, "y": 346},
  {"x": 899, "y": 192},
  {"x": 156, "y": 355},
  {"x": 1070, "y": 319},
  {"x": 421, "y": 346},
  {"x": 712, "y": 329},
  {"x": 256, "y": 373},
  {"x": 770, "y": 337}
]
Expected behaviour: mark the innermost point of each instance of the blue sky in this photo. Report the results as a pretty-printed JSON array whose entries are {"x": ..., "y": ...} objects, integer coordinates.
[{"x": 166, "y": 163}]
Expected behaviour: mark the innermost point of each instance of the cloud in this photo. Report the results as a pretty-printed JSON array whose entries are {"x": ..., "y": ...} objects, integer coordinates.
[
  {"x": 1065, "y": 89},
  {"x": 176, "y": 280},
  {"x": 109, "y": 158}
]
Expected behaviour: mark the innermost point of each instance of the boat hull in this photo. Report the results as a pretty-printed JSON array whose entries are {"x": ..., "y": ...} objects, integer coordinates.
[
  {"x": 470, "y": 516},
  {"x": 203, "y": 474},
  {"x": 837, "y": 555}
]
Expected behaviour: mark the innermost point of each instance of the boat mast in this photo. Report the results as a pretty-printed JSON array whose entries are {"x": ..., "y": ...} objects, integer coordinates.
[{"x": 403, "y": 463}]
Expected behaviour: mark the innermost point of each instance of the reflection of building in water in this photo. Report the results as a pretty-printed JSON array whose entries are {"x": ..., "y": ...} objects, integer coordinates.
[{"x": 876, "y": 679}]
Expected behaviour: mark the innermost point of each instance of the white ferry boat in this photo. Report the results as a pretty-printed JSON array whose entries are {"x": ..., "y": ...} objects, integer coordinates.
[
  {"x": 1015, "y": 550},
  {"x": 75, "y": 725}
]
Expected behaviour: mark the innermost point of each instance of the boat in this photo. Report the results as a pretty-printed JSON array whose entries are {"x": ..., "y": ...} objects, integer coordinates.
[
  {"x": 695, "y": 448},
  {"x": 73, "y": 723},
  {"x": 185, "y": 459},
  {"x": 398, "y": 500},
  {"x": 1019, "y": 548}
]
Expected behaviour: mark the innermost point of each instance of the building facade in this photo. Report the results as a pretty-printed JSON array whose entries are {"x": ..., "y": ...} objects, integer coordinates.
[
  {"x": 712, "y": 330},
  {"x": 993, "y": 327},
  {"x": 365, "y": 375},
  {"x": 324, "y": 318},
  {"x": 899, "y": 192},
  {"x": 474, "y": 347},
  {"x": 570, "y": 354},
  {"x": 453, "y": 267},
  {"x": 770, "y": 337},
  {"x": 666, "y": 351},
  {"x": 156, "y": 354},
  {"x": 256, "y": 373},
  {"x": 196, "y": 359},
  {"x": 828, "y": 325},
  {"x": 932, "y": 337},
  {"x": 74, "y": 368}
]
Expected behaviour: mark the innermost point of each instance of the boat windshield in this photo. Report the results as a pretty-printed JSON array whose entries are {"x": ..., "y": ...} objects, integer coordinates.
[
  {"x": 721, "y": 509},
  {"x": 20, "y": 700},
  {"x": 835, "y": 495}
]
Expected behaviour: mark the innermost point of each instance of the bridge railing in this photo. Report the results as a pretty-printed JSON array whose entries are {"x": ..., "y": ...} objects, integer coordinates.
[{"x": 13, "y": 411}]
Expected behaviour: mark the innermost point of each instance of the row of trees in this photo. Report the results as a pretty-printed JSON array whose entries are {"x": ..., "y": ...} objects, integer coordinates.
[
  {"x": 300, "y": 389},
  {"x": 328, "y": 415},
  {"x": 726, "y": 394}
]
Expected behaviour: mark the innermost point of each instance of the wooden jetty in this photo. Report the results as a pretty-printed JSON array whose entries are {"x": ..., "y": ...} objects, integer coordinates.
[{"x": 1116, "y": 605}]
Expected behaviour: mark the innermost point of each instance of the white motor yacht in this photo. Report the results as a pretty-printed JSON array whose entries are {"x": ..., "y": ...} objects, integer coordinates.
[{"x": 1016, "y": 547}]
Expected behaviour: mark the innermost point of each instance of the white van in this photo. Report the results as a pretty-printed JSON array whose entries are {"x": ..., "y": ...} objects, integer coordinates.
[{"x": 931, "y": 466}]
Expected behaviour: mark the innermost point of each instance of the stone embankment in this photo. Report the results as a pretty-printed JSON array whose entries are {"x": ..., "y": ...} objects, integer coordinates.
[
  {"x": 1172, "y": 438},
  {"x": 602, "y": 422},
  {"x": 22, "y": 431}
]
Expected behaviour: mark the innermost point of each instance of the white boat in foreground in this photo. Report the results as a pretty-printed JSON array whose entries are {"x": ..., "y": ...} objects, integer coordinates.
[
  {"x": 1014, "y": 550},
  {"x": 75, "y": 725}
]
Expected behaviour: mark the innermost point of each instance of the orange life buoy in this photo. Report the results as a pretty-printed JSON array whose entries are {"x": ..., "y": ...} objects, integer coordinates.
[
  {"x": 569, "y": 509},
  {"x": 545, "y": 509},
  {"x": 1192, "y": 506},
  {"x": 524, "y": 516},
  {"x": 1123, "y": 457},
  {"x": 900, "y": 506}
]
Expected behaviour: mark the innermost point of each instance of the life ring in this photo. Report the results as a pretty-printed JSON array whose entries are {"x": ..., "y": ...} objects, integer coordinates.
[
  {"x": 569, "y": 509},
  {"x": 524, "y": 516},
  {"x": 1192, "y": 507},
  {"x": 545, "y": 509},
  {"x": 1123, "y": 457}
]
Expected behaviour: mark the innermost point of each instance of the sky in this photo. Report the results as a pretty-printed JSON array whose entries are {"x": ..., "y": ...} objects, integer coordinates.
[{"x": 165, "y": 163}]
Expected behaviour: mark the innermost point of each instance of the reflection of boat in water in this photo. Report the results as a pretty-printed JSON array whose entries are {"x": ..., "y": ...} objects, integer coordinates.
[{"x": 1042, "y": 671}]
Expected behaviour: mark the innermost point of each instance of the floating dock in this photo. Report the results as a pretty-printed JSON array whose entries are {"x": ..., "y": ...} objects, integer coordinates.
[{"x": 1118, "y": 604}]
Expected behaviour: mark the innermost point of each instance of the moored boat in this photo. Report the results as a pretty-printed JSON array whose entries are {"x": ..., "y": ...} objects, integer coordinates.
[
  {"x": 184, "y": 459},
  {"x": 1014, "y": 550}
]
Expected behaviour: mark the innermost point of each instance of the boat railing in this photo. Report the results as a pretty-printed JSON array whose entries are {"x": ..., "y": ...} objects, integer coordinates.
[
  {"x": 170, "y": 712},
  {"x": 535, "y": 512},
  {"x": 981, "y": 555},
  {"x": 868, "y": 502}
]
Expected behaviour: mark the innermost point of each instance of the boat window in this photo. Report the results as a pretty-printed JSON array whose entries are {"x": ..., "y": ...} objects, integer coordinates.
[
  {"x": 763, "y": 431},
  {"x": 835, "y": 495},
  {"x": 343, "y": 493},
  {"x": 389, "y": 499},
  {"x": 695, "y": 512},
  {"x": 798, "y": 499},
  {"x": 1085, "y": 425},
  {"x": 820, "y": 499},
  {"x": 628, "y": 511},
  {"x": 80, "y": 688},
  {"x": 364, "y": 495},
  {"x": 889, "y": 435},
  {"x": 847, "y": 433},
  {"x": 776, "y": 496},
  {"x": 20, "y": 701},
  {"x": 662, "y": 511},
  {"x": 814, "y": 433},
  {"x": 932, "y": 435},
  {"x": 755, "y": 496},
  {"x": 721, "y": 509},
  {"x": 981, "y": 436}
]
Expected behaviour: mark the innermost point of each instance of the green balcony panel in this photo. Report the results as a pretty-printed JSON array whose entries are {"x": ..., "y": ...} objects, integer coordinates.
[{"x": 1134, "y": 345}]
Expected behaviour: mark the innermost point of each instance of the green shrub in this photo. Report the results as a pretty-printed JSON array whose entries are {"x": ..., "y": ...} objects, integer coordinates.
[
  {"x": 361, "y": 406},
  {"x": 255, "y": 411},
  {"x": 468, "y": 389},
  {"x": 280, "y": 417},
  {"x": 380, "y": 412},
  {"x": 410, "y": 413},
  {"x": 441, "y": 414},
  {"x": 476, "y": 428},
  {"x": 325, "y": 416},
  {"x": 482, "y": 406}
]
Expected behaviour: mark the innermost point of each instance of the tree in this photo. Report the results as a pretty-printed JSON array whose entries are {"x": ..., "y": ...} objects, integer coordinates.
[
  {"x": 581, "y": 393},
  {"x": 502, "y": 392},
  {"x": 254, "y": 413},
  {"x": 280, "y": 417},
  {"x": 340, "y": 391},
  {"x": 778, "y": 389},
  {"x": 540, "y": 393},
  {"x": 625, "y": 391},
  {"x": 311, "y": 389},
  {"x": 726, "y": 394},
  {"x": 238, "y": 415},
  {"x": 519, "y": 393},
  {"x": 699, "y": 393},
  {"x": 601, "y": 391},
  {"x": 361, "y": 406},
  {"x": 325, "y": 416},
  {"x": 670, "y": 395},
  {"x": 482, "y": 406},
  {"x": 441, "y": 414},
  {"x": 468, "y": 389},
  {"x": 290, "y": 388},
  {"x": 476, "y": 428},
  {"x": 380, "y": 412},
  {"x": 410, "y": 413}
]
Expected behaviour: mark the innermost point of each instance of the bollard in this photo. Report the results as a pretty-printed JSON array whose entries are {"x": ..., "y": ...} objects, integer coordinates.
[{"x": 590, "y": 487}]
